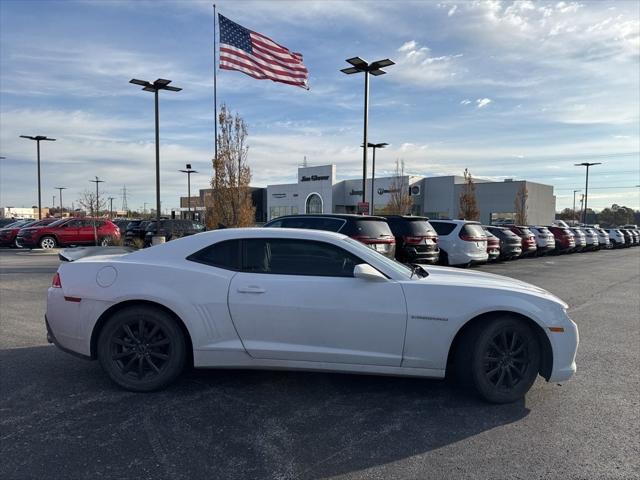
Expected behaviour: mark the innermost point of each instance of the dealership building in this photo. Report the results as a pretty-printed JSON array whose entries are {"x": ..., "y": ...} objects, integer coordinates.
[{"x": 318, "y": 191}]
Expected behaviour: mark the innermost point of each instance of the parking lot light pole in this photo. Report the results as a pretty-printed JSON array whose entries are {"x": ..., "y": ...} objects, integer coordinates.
[
  {"x": 586, "y": 187},
  {"x": 155, "y": 87},
  {"x": 574, "y": 203},
  {"x": 373, "y": 173},
  {"x": 38, "y": 139},
  {"x": 375, "y": 69},
  {"x": 60, "y": 190},
  {"x": 189, "y": 171}
]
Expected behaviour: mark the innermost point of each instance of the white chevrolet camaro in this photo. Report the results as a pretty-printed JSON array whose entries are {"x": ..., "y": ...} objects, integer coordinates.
[{"x": 309, "y": 300}]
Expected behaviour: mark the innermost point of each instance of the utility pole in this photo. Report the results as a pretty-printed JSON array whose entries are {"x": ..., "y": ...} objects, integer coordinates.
[
  {"x": 189, "y": 171},
  {"x": 111, "y": 207},
  {"x": 60, "y": 190},
  {"x": 574, "y": 204},
  {"x": 97, "y": 181},
  {"x": 38, "y": 139},
  {"x": 586, "y": 187}
]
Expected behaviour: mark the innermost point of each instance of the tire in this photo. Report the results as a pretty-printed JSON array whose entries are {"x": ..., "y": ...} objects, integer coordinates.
[
  {"x": 105, "y": 242},
  {"x": 444, "y": 258},
  {"x": 496, "y": 373},
  {"x": 147, "y": 362},
  {"x": 47, "y": 243}
]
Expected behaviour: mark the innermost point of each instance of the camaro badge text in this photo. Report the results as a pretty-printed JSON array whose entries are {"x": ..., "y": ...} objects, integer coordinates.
[{"x": 422, "y": 317}]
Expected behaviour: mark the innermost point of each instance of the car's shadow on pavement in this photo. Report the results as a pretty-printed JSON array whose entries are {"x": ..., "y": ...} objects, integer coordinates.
[{"x": 62, "y": 418}]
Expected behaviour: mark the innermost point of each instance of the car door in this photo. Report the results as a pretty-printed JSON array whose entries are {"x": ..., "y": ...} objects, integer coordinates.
[
  {"x": 87, "y": 234},
  {"x": 298, "y": 300},
  {"x": 68, "y": 233}
]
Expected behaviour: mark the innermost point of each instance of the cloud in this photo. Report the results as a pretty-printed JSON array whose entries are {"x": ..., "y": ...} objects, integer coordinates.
[
  {"x": 466, "y": 101},
  {"x": 452, "y": 10},
  {"x": 418, "y": 66},
  {"x": 483, "y": 102}
]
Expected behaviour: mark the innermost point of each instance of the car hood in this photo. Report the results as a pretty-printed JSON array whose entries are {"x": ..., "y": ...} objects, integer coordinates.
[{"x": 448, "y": 276}]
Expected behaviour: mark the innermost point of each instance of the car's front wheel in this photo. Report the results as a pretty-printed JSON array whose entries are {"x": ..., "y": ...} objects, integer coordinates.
[
  {"x": 500, "y": 359},
  {"x": 48, "y": 243},
  {"x": 142, "y": 348}
]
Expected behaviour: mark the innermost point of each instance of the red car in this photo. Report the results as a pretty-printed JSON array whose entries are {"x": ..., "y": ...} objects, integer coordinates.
[
  {"x": 69, "y": 231},
  {"x": 565, "y": 240},
  {"x": 8, "y": 233},
  {"x": 529, "y": 246}
]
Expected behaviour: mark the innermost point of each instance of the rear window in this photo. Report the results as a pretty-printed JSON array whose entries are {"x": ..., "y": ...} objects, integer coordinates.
[
  {"x": 525, "y": 231},
  {"x": 222, "y": 255},
  {"x": 443, "y": 228},
  {"x": 369, "y": 228},
  {"x": 419, "y": 228},
  {"x": 544, "y": 230},
  {"x": 472, "y": 230}
]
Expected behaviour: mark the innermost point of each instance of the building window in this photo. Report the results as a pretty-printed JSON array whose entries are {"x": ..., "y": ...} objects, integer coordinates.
[
  {"x": 313, "y": 204},
  {"x": 294, "y": 210},
  {"x": 275, "y": 212}
]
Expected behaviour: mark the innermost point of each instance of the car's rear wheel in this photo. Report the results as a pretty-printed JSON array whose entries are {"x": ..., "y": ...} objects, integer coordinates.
[
  {"x": 142, "y": 348},
  {"x": 500, "y": 359},
  {"x": 48, "y": 243}
]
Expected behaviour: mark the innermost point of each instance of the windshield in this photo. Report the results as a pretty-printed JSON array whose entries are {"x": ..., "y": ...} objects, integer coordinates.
[
  {"x": 394, "y": 265},
  {"x": 58, "y": 222}
]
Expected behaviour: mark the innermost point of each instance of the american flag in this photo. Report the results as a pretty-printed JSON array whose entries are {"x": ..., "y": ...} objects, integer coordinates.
[{"x": 259, "y": 56}]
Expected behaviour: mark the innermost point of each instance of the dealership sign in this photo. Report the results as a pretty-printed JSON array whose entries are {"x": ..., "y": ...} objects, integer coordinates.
[{"x": 314, "y": 178}]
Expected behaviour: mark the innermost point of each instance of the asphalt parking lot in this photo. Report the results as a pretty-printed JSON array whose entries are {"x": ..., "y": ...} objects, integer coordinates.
[{"x": 61, "y": 417}]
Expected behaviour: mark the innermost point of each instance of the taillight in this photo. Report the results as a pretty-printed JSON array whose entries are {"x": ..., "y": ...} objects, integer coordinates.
[
  {"x": 414, "y": 240},
  {"x": 469, "y": 238},
  {"x": 56, "y": 283},
  {"x": 369, "y": 240}
]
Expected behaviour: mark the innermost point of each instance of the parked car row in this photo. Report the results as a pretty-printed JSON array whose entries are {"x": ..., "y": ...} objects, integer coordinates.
[
  {"x": 142, "y": 231},
  {"x": 418, "y": 240}
]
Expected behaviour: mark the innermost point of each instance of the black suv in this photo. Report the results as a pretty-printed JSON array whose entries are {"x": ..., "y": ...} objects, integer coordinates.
[
  {"x": 416, "y": 240},
  {"x": 135, "y": 229},
  {"x": 172, "y": 229},
  {"x": 374, "y": 232}
]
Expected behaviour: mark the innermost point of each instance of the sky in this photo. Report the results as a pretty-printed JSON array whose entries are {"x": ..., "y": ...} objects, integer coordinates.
[{"x": 520, "y": 90}]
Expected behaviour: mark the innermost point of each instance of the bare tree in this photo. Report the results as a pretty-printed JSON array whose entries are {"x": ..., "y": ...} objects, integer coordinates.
[
  {"x": 87, "y": 202},
  {"x": 400, "y": 201},
  {"x": 230, "y": 204},
  {"x": 520, "y": 205},
  {"x": 468, "y": 203}
]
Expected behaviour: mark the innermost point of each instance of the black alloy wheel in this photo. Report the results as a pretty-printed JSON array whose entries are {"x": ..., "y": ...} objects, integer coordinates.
[
  {"x": 500, "y": 358},
  {"x": 142, "y": 349}
]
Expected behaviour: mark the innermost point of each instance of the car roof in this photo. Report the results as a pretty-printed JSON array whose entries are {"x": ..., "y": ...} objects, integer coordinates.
[
  {"x": 182, "y": 247},
  {"x": 343, "y": 216},
  {"x": 405, "y": 217},
  {"x": 457, "y": 221}
]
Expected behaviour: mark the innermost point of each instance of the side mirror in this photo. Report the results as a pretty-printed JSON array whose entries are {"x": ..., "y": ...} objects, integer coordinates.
[{"x": 367, "y": 272}]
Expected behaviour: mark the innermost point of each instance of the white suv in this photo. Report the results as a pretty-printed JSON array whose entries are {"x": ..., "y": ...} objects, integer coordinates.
[
  {"x": 616, "y": 237},
  {"x": 545, "y": 241},
  {"x": 461, "y": 242},
  {"x": 592, "y": 238},
  {"x": 603, "y": 238}
]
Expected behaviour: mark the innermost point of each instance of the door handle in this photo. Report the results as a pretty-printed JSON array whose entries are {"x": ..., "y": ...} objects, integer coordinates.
[{"x": 251, "y": 289}]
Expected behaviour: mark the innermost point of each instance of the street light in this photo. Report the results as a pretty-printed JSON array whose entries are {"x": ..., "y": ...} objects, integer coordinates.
[
  {"x": 375, "y": 69},
  {"x": 189, "y": 171},
  {"x": 373, "y": 173},
  {"x": 38, "y": 139},
  {"x": 60, "y": 189},
  {"x": 574, "y": 203},
  {"x": 155, "y": 87},
  {"x": 586, "y": 187}
]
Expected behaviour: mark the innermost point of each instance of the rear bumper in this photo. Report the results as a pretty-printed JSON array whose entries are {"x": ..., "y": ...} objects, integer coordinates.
[
  {"x": 51, "y": 338},
  {"x": 411, "y": 255}
]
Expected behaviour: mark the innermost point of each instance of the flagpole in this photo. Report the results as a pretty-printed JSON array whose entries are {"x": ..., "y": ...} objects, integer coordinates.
[{"x": 215, "y": 90}]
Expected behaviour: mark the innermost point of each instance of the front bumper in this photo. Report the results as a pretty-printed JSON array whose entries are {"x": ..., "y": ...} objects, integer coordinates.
[{"x": 565, "y": 347}]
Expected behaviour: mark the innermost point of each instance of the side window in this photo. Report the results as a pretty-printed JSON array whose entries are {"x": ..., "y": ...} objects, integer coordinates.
[
  {"x": 276, "y": 224},
  {"x": 74, "y": 224},
  {"x": 297, "y": 257},
  {"x": 222, "y": 255}
]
